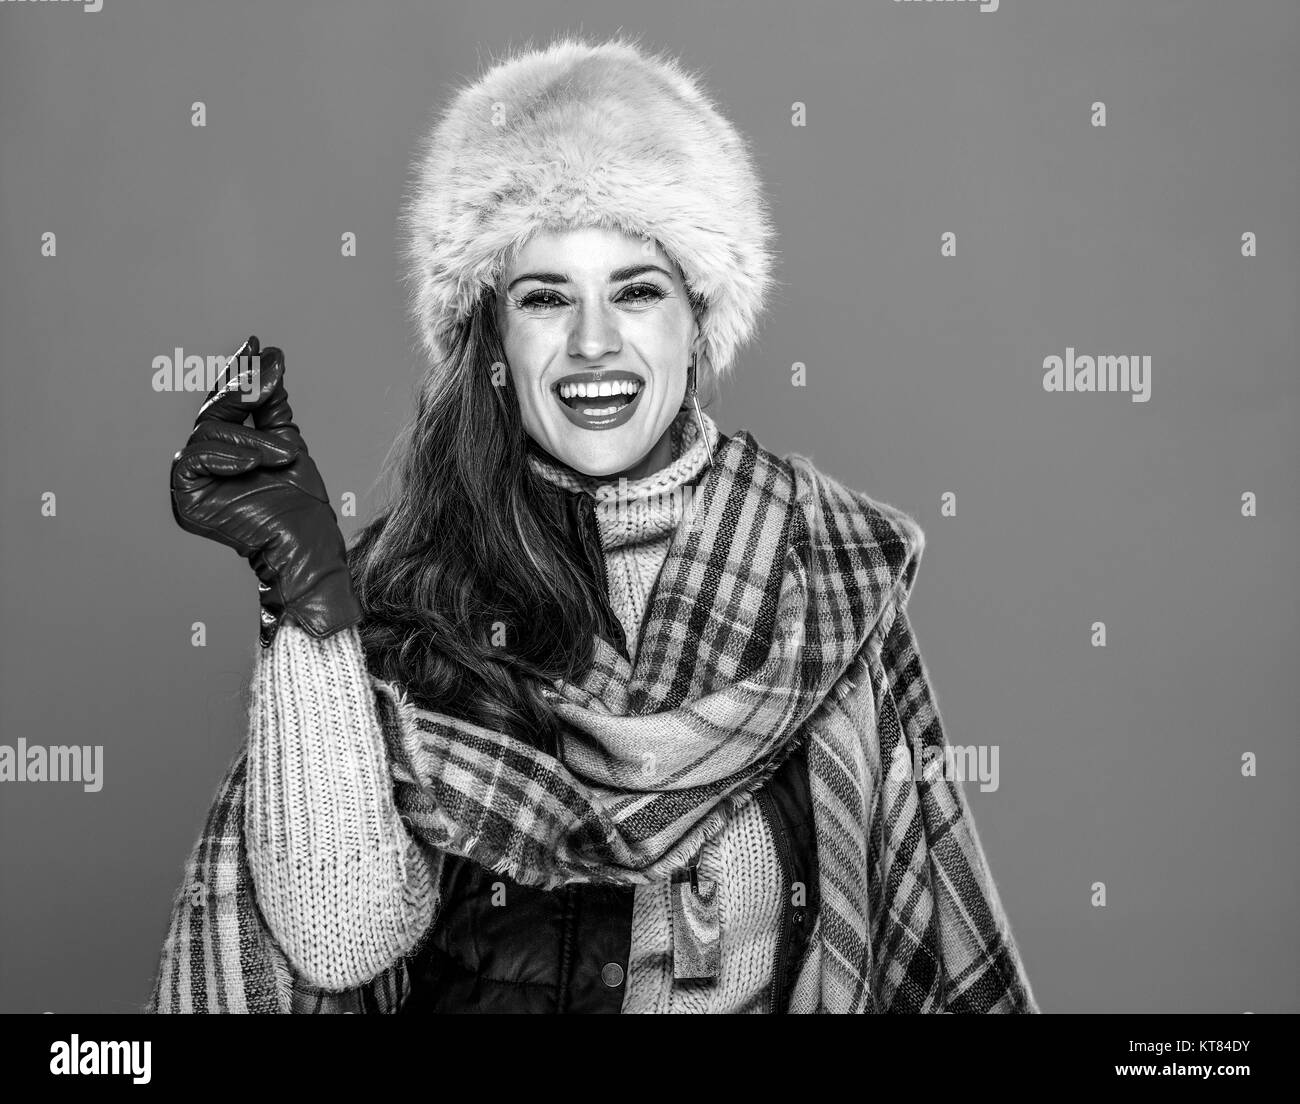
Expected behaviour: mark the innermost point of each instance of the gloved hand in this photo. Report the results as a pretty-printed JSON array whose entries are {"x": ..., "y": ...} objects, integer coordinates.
[{"x": 258, "y": 491}]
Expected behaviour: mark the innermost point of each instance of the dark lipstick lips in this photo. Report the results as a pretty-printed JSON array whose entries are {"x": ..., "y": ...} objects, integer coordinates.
[{"x": 599, "y": 375}]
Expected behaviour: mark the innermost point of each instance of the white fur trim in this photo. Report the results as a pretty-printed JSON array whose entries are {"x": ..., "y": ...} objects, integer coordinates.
[{"x": 586, "y": 134}]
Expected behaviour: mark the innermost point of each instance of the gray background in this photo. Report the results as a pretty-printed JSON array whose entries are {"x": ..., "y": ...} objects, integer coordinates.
[{"x": 1118, "y": 765}]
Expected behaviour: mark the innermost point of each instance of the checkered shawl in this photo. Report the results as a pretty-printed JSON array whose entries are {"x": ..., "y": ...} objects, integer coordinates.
[{"x": 779, "y": 616}]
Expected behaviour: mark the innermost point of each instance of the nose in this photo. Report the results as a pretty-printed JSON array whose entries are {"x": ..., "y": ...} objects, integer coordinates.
[{"x": 595, "y": 332}]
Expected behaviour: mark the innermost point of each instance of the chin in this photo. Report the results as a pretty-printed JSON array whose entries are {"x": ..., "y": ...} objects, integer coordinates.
[{"x": 602, "y": 453}]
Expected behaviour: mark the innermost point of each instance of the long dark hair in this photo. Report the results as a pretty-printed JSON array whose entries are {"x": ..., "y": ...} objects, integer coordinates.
[{"x": 471, "y": 592}]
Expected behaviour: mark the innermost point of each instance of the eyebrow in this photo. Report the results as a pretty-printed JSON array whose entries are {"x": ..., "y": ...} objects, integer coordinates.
[{"x": 615, "y": 277}]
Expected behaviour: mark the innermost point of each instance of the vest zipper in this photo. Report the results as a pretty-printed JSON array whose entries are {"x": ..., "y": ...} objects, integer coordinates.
[
  {"x": 564, "y": 969},
  {"x": 593, "y": 531},
  {"x": 591, "y": 538},
  {"x": 780, "y": 966}
]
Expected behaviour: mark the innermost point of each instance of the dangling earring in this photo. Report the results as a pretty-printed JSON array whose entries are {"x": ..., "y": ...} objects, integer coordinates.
[{"x": 695, "y": 402}]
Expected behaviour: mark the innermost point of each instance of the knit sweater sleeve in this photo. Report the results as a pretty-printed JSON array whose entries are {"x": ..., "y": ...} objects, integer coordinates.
[{"x": 345, "y": 890}]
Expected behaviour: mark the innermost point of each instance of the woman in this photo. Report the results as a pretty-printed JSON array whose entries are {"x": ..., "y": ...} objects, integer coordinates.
[{"x": 609, "y": 711}]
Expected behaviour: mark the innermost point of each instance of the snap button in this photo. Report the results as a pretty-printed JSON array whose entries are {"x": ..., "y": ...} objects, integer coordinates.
[{"x": 612, "y": 974}]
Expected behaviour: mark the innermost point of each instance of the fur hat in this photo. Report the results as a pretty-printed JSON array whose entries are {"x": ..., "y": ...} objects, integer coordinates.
[{"x": 586, "y": 134}]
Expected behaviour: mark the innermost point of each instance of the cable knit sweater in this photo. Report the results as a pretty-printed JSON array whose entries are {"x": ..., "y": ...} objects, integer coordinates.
[{"x": 347, "y": 891}]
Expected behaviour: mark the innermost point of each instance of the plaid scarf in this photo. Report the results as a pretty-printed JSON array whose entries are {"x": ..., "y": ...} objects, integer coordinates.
[{"x": 779, "y": 616}]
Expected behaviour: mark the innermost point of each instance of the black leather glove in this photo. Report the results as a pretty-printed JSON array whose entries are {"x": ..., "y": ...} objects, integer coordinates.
[{"x": 258, "y": 491}]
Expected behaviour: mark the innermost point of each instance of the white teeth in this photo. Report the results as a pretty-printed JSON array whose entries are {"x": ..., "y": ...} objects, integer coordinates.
[{"x": 599, "y": 390}]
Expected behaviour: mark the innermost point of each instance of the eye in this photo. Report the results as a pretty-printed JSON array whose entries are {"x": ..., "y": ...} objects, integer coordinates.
[
  {"x": 542, "y": 298},
  {"x": 653, "y": 293}
]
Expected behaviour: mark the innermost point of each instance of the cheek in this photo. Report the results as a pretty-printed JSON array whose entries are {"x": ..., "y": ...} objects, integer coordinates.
[
  {"x": 531, "y": 408},
  {"x": 529, "y": 346},
  {"x": 524, "y": 364}
]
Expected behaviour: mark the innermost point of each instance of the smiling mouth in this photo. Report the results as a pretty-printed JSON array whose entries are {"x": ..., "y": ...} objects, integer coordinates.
[{"x": 599, "y": 399}]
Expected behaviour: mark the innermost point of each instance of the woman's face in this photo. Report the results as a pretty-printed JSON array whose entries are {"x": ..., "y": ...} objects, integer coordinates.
[{"x": 598, "y": 334}]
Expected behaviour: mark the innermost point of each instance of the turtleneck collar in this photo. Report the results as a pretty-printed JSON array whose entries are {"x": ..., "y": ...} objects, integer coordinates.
[{"x": 630, "y": 511}]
